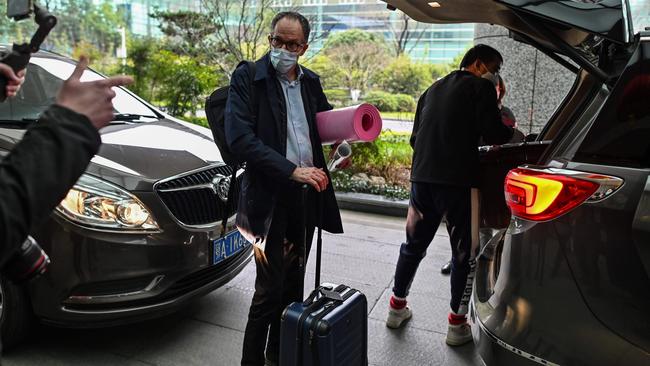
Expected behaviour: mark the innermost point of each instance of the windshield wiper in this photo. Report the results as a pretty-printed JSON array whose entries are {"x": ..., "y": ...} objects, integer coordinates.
[
  {"x": 129, "y": 117},
  {"x": 18, "y": 122}
]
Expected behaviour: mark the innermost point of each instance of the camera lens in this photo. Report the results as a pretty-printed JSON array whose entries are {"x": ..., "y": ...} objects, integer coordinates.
[{"x": 27, "y": 263}]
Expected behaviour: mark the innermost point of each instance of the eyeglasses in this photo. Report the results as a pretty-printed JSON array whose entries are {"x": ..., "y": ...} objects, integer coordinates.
[{"x": 289, "y": 46}]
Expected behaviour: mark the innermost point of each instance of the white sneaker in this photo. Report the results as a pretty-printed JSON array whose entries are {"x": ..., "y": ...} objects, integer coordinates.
[
  {"x": 396, "y": 318},
  {"x": 457, "y": 335}
]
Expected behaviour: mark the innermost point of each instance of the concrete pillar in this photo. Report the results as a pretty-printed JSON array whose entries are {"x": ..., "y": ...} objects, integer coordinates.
[{"x": 535, "y": 83}]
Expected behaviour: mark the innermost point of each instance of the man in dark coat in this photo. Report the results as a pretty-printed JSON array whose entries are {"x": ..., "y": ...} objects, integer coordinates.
[
  {"x": 271, "y": 125},
  {"x": 451, "y": 117},
  {"x": 48, "y": 161}
]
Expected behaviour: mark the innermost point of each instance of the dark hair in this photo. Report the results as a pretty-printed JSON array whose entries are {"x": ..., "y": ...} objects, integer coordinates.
[
  {"x": 304, "y": 23},
  {"x": 481, "y": 52}
]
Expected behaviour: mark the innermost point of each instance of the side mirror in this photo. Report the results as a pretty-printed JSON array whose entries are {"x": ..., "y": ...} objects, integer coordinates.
[{"x": 531, "y": 137}]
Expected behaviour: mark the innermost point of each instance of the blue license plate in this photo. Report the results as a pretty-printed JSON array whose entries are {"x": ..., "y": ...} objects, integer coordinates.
[{"x": 229, "y": 245}]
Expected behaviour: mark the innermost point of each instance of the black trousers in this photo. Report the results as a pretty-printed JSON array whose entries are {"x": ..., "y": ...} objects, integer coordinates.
[
  {"x": 279, "y": 280},
  {"x": 429, "y": 203}
]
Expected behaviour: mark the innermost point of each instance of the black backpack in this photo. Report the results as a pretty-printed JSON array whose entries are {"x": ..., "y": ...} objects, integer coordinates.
[{"x": 215, "y": 108}]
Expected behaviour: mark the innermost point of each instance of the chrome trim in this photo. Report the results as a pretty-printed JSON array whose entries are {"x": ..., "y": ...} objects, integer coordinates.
[
  {"x": 189, "y": 188},
  {"x": 209, "y": 226},
  {"x": 120, "y": 296},
  {"x": 97, "y": 229},
  {"x": 608, "y": 185},
  {"x": 627, "y": 24},
  {"x": 514, "y": 349},
  {"x": 236, "y": 268}
]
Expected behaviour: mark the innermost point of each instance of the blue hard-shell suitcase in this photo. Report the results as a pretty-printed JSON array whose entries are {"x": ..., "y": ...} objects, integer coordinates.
[{"x": 329, "y": 328}]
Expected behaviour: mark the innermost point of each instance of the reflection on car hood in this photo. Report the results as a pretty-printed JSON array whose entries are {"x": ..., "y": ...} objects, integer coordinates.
[{"x": 135, "y": 156}]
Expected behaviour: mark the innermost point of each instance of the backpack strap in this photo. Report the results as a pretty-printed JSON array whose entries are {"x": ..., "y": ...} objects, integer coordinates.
[{"x": 253, "y": 111}]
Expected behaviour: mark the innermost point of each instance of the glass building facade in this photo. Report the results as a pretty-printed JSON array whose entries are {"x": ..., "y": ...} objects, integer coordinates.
[
  {"x": 137, "y": 13},
  {"x": 433, "y": 43}
]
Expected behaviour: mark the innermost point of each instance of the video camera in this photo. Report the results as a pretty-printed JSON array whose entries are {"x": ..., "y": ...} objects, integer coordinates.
[
  {"x": 29, "y": 261},
  {"x": 18, "y": 58}
]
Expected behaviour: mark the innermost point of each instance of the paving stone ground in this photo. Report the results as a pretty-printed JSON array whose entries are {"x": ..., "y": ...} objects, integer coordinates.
[{"x": 210, "y": 331}]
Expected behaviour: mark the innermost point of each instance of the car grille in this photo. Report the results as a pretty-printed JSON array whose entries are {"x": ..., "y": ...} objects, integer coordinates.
[{"x": 192, "y": 199}]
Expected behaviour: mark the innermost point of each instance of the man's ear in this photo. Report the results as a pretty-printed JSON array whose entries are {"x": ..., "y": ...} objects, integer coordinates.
[{"x": 304, "y": 49}]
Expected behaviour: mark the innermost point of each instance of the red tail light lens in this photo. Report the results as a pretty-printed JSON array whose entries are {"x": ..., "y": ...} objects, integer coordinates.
[{"x": 541, "y": 196}]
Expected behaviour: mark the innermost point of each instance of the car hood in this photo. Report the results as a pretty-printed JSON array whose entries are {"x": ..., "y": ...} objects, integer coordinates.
[{"x": 136, "y": 155}]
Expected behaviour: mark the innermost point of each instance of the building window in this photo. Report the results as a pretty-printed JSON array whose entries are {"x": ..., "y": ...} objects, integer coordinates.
[
  {"x": 350, "y": 2},
  {"x": 281, "y": 3},
  {"x": 314, "y": 2}
]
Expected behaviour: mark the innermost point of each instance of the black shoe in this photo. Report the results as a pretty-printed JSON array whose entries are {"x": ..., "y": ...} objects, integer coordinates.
[{"x": 446, "y": 268}]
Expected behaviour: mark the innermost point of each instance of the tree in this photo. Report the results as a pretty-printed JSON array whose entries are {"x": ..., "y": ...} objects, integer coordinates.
[
  {"x": 226, "y": 32},
  {"x": 81, "y": 20},
  {"x": 180, "y": 82},
  {"x": 405, "y": 34},
  {"x": 188, "y": 31},
  {"x": 358, "y": 56},
  {"x": 141, "y": 53},
  {"x": 402, "y": 76}
]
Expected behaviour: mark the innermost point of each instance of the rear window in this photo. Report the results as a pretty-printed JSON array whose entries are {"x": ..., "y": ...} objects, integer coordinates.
[{"x": 621, "y": 133}]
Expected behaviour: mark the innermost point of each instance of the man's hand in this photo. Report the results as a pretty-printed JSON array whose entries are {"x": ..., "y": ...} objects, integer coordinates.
[
  {"x": 93, "y": 99},
  {"x": 313, "y": 176},
  {"x": 14, "y": 80}
]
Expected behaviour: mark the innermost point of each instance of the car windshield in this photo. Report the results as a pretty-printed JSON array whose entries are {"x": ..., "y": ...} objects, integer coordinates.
[
  {"x": 42, "y": 82},
  {"x": 640, "y": 10}
]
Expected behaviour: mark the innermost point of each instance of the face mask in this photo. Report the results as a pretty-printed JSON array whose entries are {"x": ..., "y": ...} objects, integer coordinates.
[
  {"x": 283, "y": 61},
  {"x": 492, "y": 77}
]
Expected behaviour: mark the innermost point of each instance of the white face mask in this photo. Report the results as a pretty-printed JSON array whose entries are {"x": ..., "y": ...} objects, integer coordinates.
[
  {"x": 282, "y": 60},
  {"x": 492, "y": 77}
]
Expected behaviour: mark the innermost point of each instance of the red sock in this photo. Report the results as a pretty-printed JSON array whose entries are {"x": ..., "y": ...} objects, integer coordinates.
[
  {"x": 397, "y": 303},
  {"x": 455, "y": 319}
]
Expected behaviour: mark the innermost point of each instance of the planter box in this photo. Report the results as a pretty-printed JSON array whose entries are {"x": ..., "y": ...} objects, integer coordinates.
[{"x": 371, "y": 203}]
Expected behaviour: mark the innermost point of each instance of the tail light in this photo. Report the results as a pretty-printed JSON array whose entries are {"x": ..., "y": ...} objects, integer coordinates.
[{"x": 544, "y": 195}]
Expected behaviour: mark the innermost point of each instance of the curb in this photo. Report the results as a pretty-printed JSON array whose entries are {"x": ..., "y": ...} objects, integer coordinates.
[{"x": 371, "y": 203}]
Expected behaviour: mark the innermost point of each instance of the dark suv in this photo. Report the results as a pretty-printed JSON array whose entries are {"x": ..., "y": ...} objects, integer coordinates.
[
  {"x": 563, "y": 272},
  {"x": 140, "y": 233}
]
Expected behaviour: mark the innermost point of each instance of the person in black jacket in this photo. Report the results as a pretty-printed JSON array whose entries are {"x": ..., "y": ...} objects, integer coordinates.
[
  {"x": 37, "y": 174},
  {"x": 272, "y": 127},
  {"x": 451, "y": 117}
]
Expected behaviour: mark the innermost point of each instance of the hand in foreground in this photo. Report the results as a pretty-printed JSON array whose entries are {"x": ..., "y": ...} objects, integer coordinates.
[
  {"x": 315, "y": 177},
  {"x": 14, "y": 80},
  {"x": 94, "y": 99}
]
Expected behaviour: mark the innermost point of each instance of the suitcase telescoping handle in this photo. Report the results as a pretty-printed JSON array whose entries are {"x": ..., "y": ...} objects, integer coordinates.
[{"x": 319, "y": 238}]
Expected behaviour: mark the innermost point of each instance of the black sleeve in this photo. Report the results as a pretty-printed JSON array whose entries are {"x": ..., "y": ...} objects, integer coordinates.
[
  {"x": 416, "y": 120},
  {"x": 240, "y": 132},
  {"x": 491, "y": 127},
  {"x": 40, "y": 170}
]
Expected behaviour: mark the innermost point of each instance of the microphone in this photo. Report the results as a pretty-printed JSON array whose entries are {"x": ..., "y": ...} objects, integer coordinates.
[{"x": 343, "y": 151}]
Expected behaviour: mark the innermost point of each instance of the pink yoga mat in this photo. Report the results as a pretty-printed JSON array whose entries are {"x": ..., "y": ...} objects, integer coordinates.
[{"x": 358, "y": 123}]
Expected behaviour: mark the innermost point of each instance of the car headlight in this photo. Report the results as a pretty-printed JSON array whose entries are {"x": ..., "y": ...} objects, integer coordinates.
[{"x": 98, "y": 204}]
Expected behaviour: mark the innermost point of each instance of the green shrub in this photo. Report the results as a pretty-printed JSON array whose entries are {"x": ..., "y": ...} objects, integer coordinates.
[
  {"x": 337, "y": 94},
  {"x": 385, "y": 102},
  {"x": 343, "y": 182},
  {"x": 405, "y": 103}
]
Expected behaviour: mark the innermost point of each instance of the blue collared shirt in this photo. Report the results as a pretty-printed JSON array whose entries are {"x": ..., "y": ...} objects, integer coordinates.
[{"x": 299, "y": 149}]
